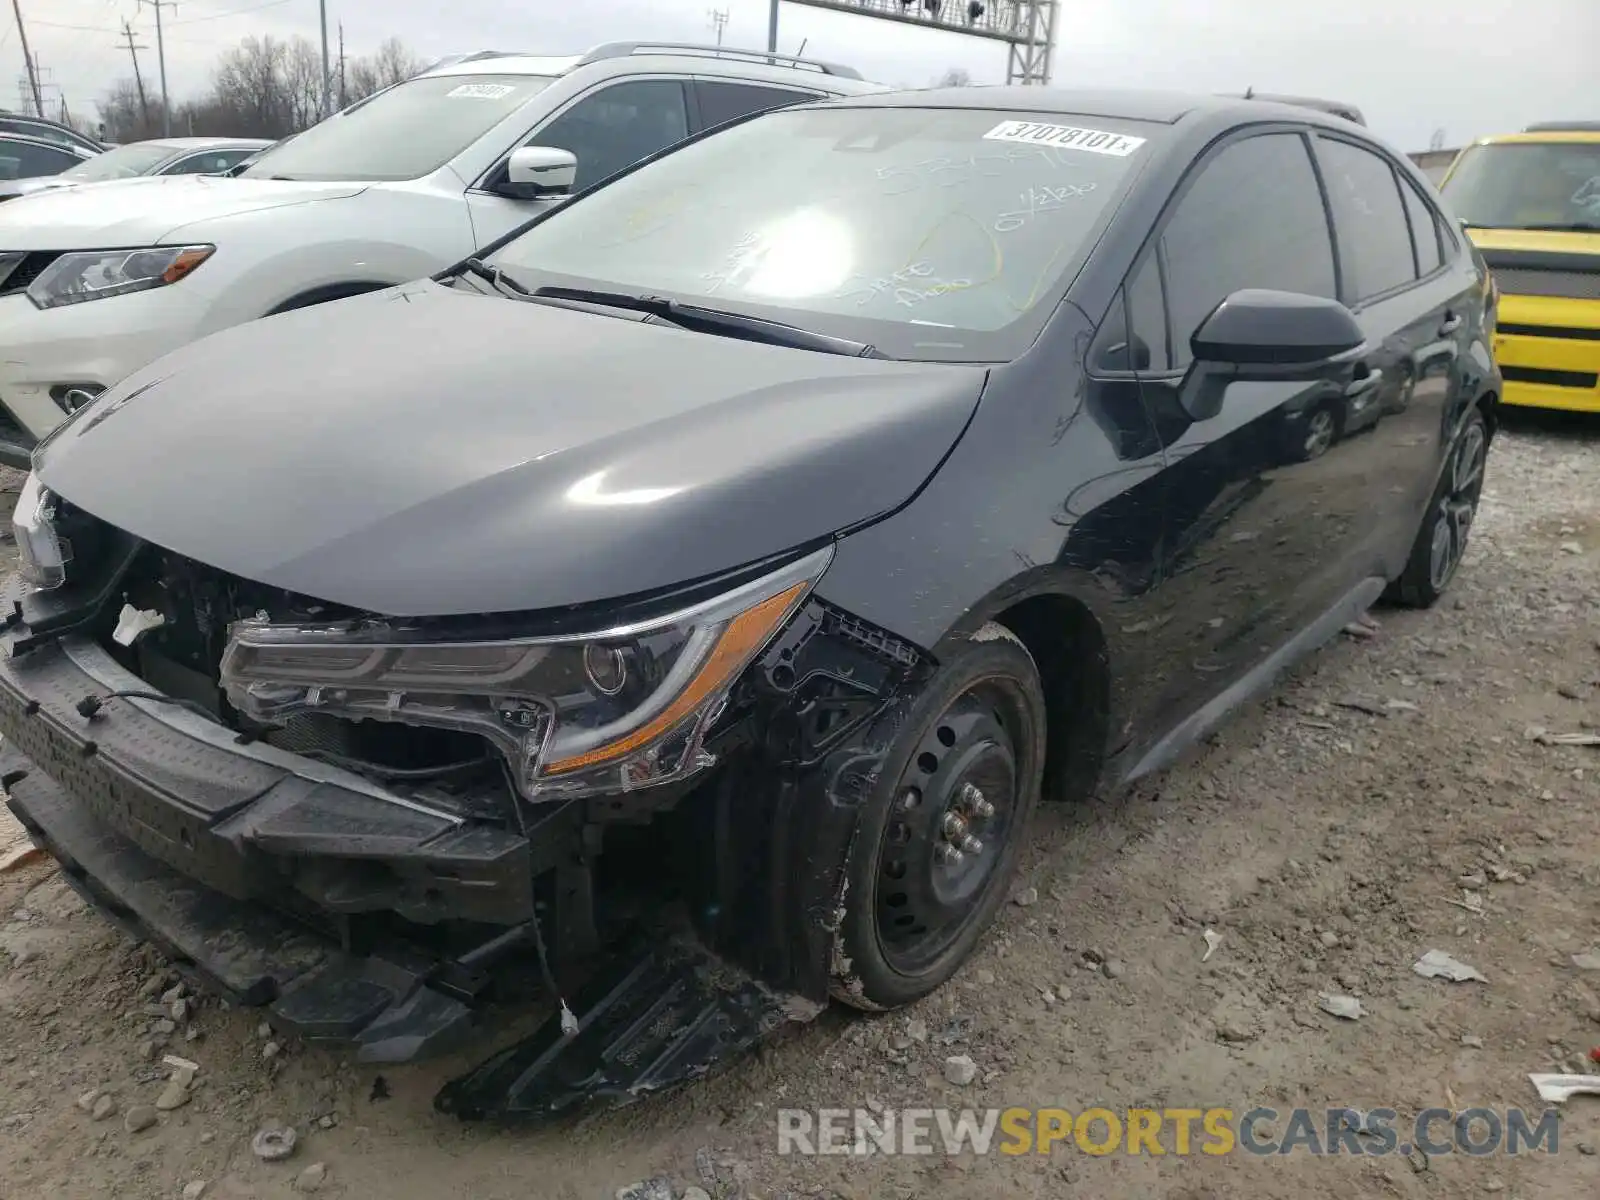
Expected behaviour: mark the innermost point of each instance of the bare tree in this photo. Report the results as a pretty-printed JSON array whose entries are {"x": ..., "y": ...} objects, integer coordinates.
[
  {"x": 955, "y": 77},
  {"x": 390, "y": 64},
  {"x": 263, "y": 87},
  {"x": 302, "y": 83}
]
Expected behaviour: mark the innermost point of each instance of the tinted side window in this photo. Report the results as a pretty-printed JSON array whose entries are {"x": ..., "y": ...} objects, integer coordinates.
[
  {"x": 1138, "y": 311},
  {"x": 721, "y": 102},
  {"x": 1424, "y": 229},
  {"x": 617, "y": 126},
  {"x": 1252, "y": 219},
  {"x": 1374, "y": 239},
  {"x": 1147, "y": 315},
  {"x": 24, "y": 160}
]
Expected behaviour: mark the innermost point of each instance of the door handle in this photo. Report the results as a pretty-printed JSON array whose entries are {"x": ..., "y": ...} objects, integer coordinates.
[
  {"x": 1360, "y": 387},
  {"x": 1452, "y": 322}
]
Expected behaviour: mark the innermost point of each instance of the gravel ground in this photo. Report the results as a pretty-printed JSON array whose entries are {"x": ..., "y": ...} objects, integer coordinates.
[{"x": 1387, "y": 800}]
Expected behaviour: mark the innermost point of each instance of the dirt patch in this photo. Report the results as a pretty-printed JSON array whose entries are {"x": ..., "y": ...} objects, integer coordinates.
[{"x": 1387, "y": 800}]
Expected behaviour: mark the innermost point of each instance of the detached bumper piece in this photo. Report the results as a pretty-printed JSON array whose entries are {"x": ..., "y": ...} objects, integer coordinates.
[
  {"x": 242, "y": 950},
  {"x": 651, "y": 1020}
]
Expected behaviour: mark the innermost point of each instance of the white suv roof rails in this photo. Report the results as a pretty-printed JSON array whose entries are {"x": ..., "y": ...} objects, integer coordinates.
[{"x": 623, "y": 49}]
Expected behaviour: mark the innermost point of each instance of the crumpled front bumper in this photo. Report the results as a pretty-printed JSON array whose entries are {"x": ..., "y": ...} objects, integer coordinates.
[{"x": 243, "y": 862}]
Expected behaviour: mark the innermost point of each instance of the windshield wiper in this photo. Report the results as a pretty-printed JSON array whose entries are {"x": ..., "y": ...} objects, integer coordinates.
[
  {"x": 713, "y": 320},
  {"x": 496, "y": 278}
]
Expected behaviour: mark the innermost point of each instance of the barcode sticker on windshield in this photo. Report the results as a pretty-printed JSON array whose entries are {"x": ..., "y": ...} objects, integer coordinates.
[
  {"x": 482, "y": 91},
  {"x": 1065, "y": 137}
]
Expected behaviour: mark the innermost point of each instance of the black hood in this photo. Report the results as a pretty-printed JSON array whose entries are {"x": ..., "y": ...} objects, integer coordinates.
[{"x": 426, "y": 450}]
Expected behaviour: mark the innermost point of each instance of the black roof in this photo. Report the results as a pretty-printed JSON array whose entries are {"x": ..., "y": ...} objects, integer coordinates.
[
  {"x": 1167, "y": 108},
  {"x": 1128, "y": 104},
  {"x": 1337, "y": 108}
]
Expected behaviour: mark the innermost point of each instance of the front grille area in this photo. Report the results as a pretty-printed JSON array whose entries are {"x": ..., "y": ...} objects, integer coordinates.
[
  {"x": 1566, "y": 379},
  {"x": 30, "y": 267},
  {"x": 1550, "y": 331},
  {"x": 1528, "y": 281}
]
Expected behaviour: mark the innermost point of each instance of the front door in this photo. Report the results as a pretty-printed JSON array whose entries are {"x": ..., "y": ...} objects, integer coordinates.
[
  {"x": 1265, "y": 502},
  {"x": 607, "y": 129}
]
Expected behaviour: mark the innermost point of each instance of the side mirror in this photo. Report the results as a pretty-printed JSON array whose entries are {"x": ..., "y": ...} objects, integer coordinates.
[
  {"x": 534, "y": 172},
  {"x": 1268, "y": 330},
  {"x": 1257, "y": 334}
]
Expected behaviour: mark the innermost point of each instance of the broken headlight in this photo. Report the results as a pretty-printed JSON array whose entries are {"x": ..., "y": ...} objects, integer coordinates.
[
  {"x": 42, "y": 551},
  {"x": 614, "y": 710}
]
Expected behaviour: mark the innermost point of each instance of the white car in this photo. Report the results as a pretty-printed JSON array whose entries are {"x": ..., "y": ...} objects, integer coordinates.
[
  {"x": 166, "y": 156},
  {"x": 96, "y": 282}
]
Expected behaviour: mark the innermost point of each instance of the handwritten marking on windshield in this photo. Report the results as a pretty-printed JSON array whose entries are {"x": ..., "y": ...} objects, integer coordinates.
[
  {"x": 1038, "y": 200},
  {"x": 1588, "y": 195},
  {"x": 740, "y": 257}
]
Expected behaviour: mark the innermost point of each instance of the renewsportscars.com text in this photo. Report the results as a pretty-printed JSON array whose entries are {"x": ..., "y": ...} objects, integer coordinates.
[{"x": 1159, "y": 1131}]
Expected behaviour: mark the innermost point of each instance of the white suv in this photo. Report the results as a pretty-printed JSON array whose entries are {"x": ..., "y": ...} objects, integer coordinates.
[{"x": 98, "y": 282}]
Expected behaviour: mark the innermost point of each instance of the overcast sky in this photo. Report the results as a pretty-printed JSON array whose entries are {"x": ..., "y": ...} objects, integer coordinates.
[{"x": 1468, "y": 67}]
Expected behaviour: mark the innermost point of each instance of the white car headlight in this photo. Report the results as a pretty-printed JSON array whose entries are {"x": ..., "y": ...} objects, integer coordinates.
[
  {"x": 574, "y": 715},
  {"x": 82, "y": 275},
  {"x": 42, "y": 552}
]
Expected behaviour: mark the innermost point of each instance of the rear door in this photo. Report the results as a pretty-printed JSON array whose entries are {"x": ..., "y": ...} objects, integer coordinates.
[{"x": 1414, "y": 310}]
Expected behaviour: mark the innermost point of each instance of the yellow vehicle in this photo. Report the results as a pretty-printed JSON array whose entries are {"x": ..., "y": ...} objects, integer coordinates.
[{"x": 1530, "y": 201}]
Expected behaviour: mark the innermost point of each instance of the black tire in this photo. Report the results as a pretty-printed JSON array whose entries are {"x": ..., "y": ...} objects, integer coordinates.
[
  {"x": 1442, "y": 538},
  {"x": 913, "y": 910}
]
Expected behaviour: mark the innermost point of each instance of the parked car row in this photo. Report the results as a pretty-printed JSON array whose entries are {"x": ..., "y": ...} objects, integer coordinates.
[
  {"x": 683, "y": 515},
  {"x": 170, "y": 156},
  {"x": 401, "y": 184}
]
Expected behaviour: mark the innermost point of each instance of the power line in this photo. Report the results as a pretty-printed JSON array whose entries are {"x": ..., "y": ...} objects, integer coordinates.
[
  {"x": 235, "y": 12},
  {"x": 85, "y": 28}
]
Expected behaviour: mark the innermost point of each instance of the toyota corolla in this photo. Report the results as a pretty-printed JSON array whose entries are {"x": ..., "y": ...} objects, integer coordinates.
[{"x": 679, "y": 612}]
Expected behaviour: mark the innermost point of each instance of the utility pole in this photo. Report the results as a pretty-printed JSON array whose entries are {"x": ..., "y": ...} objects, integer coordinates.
[
  {"x": 27, "y": 58},
  {"x": 772, "y": 28},
  {"x": 327, "y": 80},
  {"x": 341, "y": 66},
  {"x": 719, "y": 21},
  {"x": 138, "y": 78},
  {"x": 161, "y": 56}
]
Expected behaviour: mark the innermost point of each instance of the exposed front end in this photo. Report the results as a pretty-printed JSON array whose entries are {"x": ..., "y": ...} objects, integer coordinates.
[{"x": 375, "y": 828}]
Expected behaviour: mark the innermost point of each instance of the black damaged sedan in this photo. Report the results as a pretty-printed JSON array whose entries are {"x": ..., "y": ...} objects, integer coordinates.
[{"x": 675, "y": 617}]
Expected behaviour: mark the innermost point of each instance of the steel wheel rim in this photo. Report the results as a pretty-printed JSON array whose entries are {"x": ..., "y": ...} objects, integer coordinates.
[{"x": 950, "y": 825}]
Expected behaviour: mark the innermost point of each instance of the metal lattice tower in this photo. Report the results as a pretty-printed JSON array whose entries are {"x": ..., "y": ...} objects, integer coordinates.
[{"x": 1027, "y": 27}]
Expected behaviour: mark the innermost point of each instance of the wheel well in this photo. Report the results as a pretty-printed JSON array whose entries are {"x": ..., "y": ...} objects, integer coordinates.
[
  {"x": 1075, "y": 669},
  {"x": 1490, "y": 404},
  {"x": 328, "y": 291}
]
